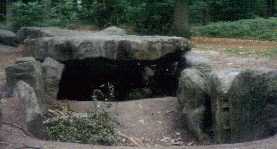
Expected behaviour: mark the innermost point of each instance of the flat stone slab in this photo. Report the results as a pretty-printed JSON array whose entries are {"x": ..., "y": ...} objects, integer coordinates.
[
  {"x": 38, "y": 32},
  {"x": 96, "y": 45}
]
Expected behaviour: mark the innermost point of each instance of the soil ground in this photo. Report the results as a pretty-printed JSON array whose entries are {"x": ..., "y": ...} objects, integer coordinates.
[
  {"x": 238, "y": 54},
  {"x": 150, "y": 123}
]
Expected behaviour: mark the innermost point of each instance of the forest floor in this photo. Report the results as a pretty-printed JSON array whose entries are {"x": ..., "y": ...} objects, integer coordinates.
[{"x": 150, "y": 122}]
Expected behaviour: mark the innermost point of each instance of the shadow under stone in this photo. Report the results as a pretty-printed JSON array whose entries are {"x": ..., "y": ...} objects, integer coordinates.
[{"x": 119, "y": 80}]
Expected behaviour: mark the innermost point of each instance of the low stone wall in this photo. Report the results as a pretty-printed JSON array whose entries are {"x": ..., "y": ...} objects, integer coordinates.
[{"x": 229, "y": 106}]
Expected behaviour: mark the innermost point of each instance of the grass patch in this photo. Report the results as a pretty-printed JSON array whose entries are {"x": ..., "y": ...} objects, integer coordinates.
[
  {"x": 259, "y": 28},
  {"x": 272, "y": 53},
  {"x": 269, "y": 53},
  {"x": 95, "y": 127}
]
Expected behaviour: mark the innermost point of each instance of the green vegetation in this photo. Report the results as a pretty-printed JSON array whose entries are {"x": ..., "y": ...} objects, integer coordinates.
[
  {"x": 269, "y": 53},
  {"x": 91, "y": 128},
  {"x": 206, "y": 11},
  {"x": 145, "y": 17},
  {"x": 261, "y": 29},
  {"x": 166, "y": 17},
  {"x": 39, "y": 13}
]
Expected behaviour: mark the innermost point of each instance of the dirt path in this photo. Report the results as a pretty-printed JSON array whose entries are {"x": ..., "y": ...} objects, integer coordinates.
[
  {"x": 14, "y": 138},
  {"x": 223, "y": 43},
  {"x": 149, "y": 121},
  {"x": 238, "y": 54}
]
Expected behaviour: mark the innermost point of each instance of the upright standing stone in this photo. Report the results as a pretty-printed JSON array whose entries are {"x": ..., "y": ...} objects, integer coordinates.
[
  {"x": 193, "y": 96},
  {"x": 221, "y": 82},
  {"x": 246, "y": 104},
  {"x": 253, "y": 106},
  {"x": 26, "y": 69},
  {"x": 52, "y": 74},
  {"x": 34, "y": 108}
]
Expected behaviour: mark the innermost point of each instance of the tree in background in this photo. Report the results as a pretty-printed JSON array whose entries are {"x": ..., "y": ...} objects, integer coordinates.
[
  {"x": 231, "y": 10},
  {"x": 270, "y": 8},
  {"x": 3, "y": 8},
  {"x": 164, "y": 17},
  {"x": 154, "y": 16},
  {"x": 181, "y": 25},
  {"x": 103, "y": 12}
]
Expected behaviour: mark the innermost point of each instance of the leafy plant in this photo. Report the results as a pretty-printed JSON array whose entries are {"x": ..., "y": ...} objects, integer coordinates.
[
  {"x": 95, "y": 127},
  {"x": 27, "y": 14}
]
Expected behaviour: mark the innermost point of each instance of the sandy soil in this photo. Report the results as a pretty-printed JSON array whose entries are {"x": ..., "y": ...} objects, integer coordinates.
[{"x": 216, "y": 50}]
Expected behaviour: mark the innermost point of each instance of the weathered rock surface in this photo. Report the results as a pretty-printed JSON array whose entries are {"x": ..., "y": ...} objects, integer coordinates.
[
  {"x": 197, "y": 61},
  {"x": 193, "y": 95},
  {"x": 33, "y": 105},
  {"x": 253, "y": 106},
  {"x": 26, "y": 69},
  {"x": 113, "y": 30},
  {"x": 194, "y": 60},
  {"x": 8, "y": 38},
  {"x": 38, "y": 32},
  {"x": 52, "y": 74},
  {"x": 220, "y": 84},
  {"x": 34, "y": 108},
  {"x": 114, "y": 47},
  {"x": 230, "y": 105},
  {"x": 112, "y": 43}
]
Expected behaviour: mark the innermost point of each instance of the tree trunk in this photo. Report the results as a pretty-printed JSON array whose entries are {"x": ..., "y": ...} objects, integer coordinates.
[
  {"x": 3, "y": 7},
  {"x": 274, "y": 5},
  {"x": 181, "y": 25},
  {"x": 270, "y": 7}
]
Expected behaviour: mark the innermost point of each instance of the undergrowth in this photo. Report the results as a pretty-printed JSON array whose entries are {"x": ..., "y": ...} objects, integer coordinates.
[
  {"x": 259, "y": 28},
  {"x": 96, "y": 127}
]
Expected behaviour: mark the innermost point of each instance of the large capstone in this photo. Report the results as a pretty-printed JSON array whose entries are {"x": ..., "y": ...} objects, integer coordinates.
[
  {"x": 129, "y": 47},
  {"x": 129, "y": 66},
  {"x": 112, "y": 43},
  {"x": 38, "y": 32},
  {"x": 26, "y": 69}
]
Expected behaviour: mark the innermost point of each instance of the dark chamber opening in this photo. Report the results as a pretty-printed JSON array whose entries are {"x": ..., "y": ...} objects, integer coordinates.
[{"x": 119, "y": 80}]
